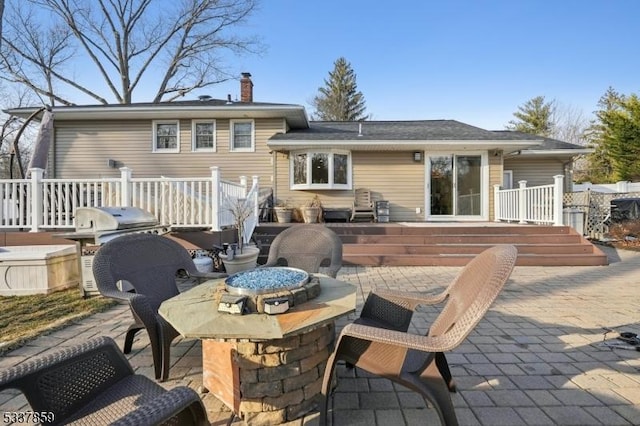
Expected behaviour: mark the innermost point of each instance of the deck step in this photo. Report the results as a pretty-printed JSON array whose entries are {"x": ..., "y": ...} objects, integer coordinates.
[
  {"x": 442, "y": 249},
  {"x": 453, "y": 245},
  {"x": 463, "y": 259}
]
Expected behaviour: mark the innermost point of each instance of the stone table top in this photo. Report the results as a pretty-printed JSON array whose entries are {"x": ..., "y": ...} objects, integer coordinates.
[{"x": 194, "y": 313}]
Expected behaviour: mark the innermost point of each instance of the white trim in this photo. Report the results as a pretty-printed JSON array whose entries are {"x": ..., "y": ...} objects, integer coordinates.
[
  {"x": 484, "y": 187},
  {"x": 577, "y": 151},
  {"x": 154, "y": 142},
  {"x": 194, "y": 135},
  {"x": 232, "y": 124},
  {"x": 295, "y": 115},
  {"x": 330, "y": 185},
  {"x": 293, "y": 143}
]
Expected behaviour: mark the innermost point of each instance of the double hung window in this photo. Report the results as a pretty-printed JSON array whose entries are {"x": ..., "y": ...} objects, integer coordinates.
[
  {"x": 204, "y": 135},
  {"x": 242, "y": 136},
  {"x": 166, "y": 136}
]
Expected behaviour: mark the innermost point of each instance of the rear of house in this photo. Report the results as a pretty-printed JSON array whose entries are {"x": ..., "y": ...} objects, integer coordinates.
[{"x": 430, "y": 170}]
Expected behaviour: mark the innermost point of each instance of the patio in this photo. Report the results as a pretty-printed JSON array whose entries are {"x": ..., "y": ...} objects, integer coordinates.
[{"x": 534, "y": 359}]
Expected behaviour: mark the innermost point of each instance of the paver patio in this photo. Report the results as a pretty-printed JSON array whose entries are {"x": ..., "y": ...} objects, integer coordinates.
[{"x": 535, "y": 359}]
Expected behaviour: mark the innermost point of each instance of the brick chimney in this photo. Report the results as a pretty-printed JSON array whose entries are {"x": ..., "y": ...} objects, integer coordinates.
[{"x": 246, "y": 88}]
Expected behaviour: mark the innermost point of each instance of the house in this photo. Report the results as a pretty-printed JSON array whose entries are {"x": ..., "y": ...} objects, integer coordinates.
[{"x": 427, "y": 170}]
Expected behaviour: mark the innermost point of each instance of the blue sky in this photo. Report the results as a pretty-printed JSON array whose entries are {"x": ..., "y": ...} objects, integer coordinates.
[{"x": 472, "y": 61}]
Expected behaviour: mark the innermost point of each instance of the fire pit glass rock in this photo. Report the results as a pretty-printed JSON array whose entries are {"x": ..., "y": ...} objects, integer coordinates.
[
  {"x": 270, "y": 290},
  {"x": 266, "y": 280}
]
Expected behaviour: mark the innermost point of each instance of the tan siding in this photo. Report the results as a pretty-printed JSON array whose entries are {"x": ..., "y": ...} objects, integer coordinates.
[
  {"x": 495, "y": 178},
  {"x": 535, "y": 172},
  {"x": 83, "y": 148},
  {"x": 391, "y": 176}
]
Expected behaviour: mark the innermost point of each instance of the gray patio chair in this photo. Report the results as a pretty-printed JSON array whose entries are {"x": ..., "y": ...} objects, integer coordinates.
[
  {"x": 378, "y": 342},
  {"x": 306, "y": 247},
  {"x": 149, "y": 263},
  {"x": 93, "y": 383}
]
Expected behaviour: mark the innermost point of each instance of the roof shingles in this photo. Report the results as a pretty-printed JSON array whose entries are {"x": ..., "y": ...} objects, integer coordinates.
[{"x": 397, "y": 130}]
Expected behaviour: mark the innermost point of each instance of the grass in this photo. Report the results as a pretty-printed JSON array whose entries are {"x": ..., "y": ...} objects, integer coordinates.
[{"x": 23, "y": 318}]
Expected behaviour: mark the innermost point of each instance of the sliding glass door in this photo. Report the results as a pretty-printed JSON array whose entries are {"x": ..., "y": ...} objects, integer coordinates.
[{"x": 455, "y": 186}]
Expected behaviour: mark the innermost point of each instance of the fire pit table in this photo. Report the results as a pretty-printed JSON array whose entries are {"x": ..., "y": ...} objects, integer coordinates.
[{"x": 267, "y": 368}]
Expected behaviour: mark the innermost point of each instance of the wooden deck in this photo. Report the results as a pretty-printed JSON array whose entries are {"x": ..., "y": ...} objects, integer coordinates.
[
  {"x": 452, "y": 244},
  {"x": 407, "y": 244}
]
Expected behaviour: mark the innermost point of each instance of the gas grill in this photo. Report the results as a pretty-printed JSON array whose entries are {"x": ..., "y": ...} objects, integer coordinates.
[
  {"x": 102, "y": 224},
  {"x": 98, "y": 225}
]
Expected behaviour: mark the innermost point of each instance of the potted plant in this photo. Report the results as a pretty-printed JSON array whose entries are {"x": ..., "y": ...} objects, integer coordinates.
[
  {"x": 312, "y": 209},
  {"x": 240, "y": 256},
  {"x": 283, "y": 212}
]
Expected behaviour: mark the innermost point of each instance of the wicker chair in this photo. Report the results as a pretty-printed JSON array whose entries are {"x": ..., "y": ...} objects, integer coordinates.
[
  {"x": 307, "y": 247},
  {"x": 149, "y": 263},
  {"x": 94, "y": 384},
  {"x": 378, "y": 342}
]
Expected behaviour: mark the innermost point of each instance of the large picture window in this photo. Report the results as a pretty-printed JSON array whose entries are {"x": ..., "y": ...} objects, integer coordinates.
[
  {"x": 166, "y": 136},
  {"x": 320, "y": 170},
  {"x": 204, "y": 135},
  {"x": 242, "y": 135}
]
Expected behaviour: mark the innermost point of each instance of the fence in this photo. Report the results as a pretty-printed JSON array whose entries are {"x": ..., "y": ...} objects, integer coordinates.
[
  {"x": 37, "y": 203},
  {"x": 619, "y": 187},
  {"x": 536, "y": 204},
  {"x": 596, "y": 207}
]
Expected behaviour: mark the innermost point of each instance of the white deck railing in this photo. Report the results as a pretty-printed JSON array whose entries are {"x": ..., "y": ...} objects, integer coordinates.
[
  {"x": 536, "y": 204},
  {"x": 37, "y": 203}
]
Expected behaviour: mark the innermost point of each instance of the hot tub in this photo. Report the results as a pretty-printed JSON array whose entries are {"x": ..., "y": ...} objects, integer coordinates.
[{"x": 37, "y": 269}]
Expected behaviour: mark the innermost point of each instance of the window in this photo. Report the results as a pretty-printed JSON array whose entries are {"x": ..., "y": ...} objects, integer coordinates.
[
  {"x": 242, "y": 137},
  {"x": 166, "y": 136},
  {"x": 203, "y": 135},
  {"x": 507, "y": 179},
  {"x": 320, "y": 170}
]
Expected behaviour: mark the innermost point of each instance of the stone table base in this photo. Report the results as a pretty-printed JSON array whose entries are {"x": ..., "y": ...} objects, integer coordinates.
[{"x": 268, "y": 382}]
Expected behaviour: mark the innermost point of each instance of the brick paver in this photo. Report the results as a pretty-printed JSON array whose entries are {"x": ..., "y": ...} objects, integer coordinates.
[{"x": 535, "y": 359}]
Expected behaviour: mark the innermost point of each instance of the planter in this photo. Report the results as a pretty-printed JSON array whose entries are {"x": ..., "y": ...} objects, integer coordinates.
[
  {"x": 283, "y": 214},
  {"x": 311, "y": 214},
  {"x": 246, "y": 260}
]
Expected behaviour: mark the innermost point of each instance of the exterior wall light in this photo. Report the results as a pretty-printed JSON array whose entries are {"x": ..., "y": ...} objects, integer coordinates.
[{"x": 417, "y": 156}]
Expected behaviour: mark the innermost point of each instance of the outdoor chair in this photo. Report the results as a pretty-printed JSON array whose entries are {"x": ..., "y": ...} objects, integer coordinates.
[
  {"x": 378, "y": 342},
  {"x": 363, "y": 205},
  {"x": 93, "y": 383},
  {"x": 149, "y": 263},
  {"x": 306, "y": 247}
]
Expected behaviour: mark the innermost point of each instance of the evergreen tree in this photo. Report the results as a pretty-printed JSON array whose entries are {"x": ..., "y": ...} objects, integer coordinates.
[
  {"x": 615, "y": 136},
  {"x": 339, "y": 99},
  {"x": 534, "y": 117}
]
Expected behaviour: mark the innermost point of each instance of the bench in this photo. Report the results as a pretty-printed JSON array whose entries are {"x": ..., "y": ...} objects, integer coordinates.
[{"x": 336, "y": 214}]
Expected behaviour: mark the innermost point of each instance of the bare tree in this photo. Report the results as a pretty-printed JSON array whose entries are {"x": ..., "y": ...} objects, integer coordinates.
[
  {"x": 178, "y": 44},
  {"x": 15, "y": 150},
  {"x": 33, "y": 55},
  {"x": 570, "y": 124},
  {"x": 1, "y": 15}
]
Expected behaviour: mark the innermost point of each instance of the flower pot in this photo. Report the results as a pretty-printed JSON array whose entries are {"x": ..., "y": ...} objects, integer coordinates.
[
  {"x": 283, "y": 215},
  {"x": 246, "y": 260},
  {"x": 311, "y": 214}
]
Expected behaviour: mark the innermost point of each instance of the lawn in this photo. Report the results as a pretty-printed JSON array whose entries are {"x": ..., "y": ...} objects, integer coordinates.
[{"x": 23, "y": 318}]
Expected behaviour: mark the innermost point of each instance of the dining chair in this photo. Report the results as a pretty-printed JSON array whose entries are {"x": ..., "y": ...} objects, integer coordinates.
[
  {"x": 306, "y": 247},
  {"x": 149, "y": 263},
  {"x": 93, "y": 384},
  {"x": 379, "y": 343}
]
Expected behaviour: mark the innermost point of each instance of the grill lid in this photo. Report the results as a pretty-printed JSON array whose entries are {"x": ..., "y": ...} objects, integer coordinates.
[{"x": 96, "y": 219}]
